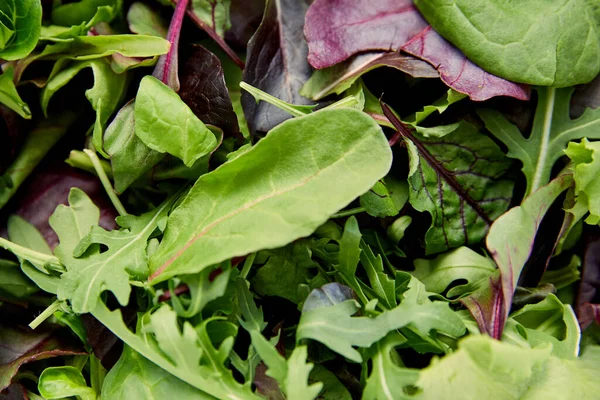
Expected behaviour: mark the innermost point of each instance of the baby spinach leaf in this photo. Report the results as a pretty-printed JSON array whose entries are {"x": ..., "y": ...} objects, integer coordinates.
[
  {"x": 134, "y": 376},
  {"x": 61, "y": 382},
  {"x": 167, "y": 125},
  {"x": 550, "y": 43},
  {"x": 552, "y": 130},
  {"x": 330, "y": 157},
  {"x": 276, "y": 62},
  {"x": 20, "y": 25},
  {"x": 586, "y": 166},
  {"x": 90, "y": 272},
  {"x": 9, "y": 95},
  {"x": 457, "y": 178},
  {"x": 143, "y": 20}
]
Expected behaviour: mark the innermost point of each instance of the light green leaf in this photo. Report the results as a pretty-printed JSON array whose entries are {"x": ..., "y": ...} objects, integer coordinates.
[
  {"x": 167, "y": 125},
  {"x": 296, "y": 384},
  {"x": 485, "y": 368},
  {"x": 75, "y": 13},
  {"x": 130, "y": 158},
  {"x": 215, "y": 13},
  {"x": 13, "y": 283},
  {"x": 293, "y": 109},
  {"x": 104, "y": 13},
  {"x": 144, "y": 20},
  {"x": 336, "y": 328},
  {"x": 382, "y": 285},
  {"x": 586, "y": 160},
  {"x": 397, "y": 229},
  {"x": 134, "y": 377},
  {"x": 61, "y": 382},
  {"x": 9, "y": 95},
  {"x": 550, "y": 43},
  {"x": 19, "y": 27},
  {"x": 291, "y": 182},
  {"x": 89, "y": 272},
  {"x": 378, "y": 202},
  {"x": 552, "y": 130}
]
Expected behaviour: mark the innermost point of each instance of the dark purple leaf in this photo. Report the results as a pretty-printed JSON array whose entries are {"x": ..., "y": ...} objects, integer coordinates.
[
  {"x": 276, "y": 63},
  {"x": 245, "y": 17},
  {"x": 589, "y": 313},
  {"x": 266, "y": 385},
  {"x": 589, "y": 287},
  {"x": 339, "y": 77},
  {"x": 15, "y": 391},
  {"x": 585, "y": 96},
  {"x": 337, "y": 29},
  {"x": 166, "y": 67},
  {"x": 13, "y": 130},
  {"x": 20, "y": 346},
  {"x": 50, "y": 187},
  {"x": 203, "y": 90},
  {"x": 458, "y": 72}
]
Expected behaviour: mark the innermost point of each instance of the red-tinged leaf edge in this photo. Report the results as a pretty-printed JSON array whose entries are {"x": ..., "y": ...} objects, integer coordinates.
[{"x": 486, "y": 305}]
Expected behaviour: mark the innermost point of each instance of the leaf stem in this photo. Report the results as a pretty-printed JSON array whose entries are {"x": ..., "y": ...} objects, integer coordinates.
[
  {"x": 540, "y": 166},
  {"x": 47, "y": 313},
  {"x": 106, "y": 182},
  {"x": 348, "y": 213},
  {"x": 214, "y": 36},
  {"x": 78, "y": 159},
  {"x": 32, "y": 255},
  {"x": 167, "y": 65},
  {"x": 97, "y": 374},
  {"x": 247, "y": 265}
]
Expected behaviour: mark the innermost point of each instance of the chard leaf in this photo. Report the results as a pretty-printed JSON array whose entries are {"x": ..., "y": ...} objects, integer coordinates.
[
  {"x": 61, "y": 382},
  {"x": 167, "y": 125},
  {"x": 550, "y": 43},
  {"x": 456, "y": 178},
  {"x": 339, "y": 77},
  {"x": 511, "y": 237},
  {"x": 334, "y": 33},
  {"x": 143, "y": 20},
  {"x": 276, "y": 63},
  {"x": 335, "y": 326},
  {"x": 483, "y": 367},
  {"x": 215, "y": 13},
  {"x": 133, "y": 376},
  {"x": 166, "y": 69},
  {"x": 586, "y": 167},
  {"x": 20, "y": 27},
  {"x": 130, "y": 158},
  {"x": 552, "y": 130},
  {"x": 9, "y": 95},
  {"x": 346, "y": 152},
  {"x": 90, "y": 272}
]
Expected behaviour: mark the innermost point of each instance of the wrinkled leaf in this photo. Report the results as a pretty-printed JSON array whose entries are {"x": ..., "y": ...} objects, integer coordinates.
[{"x": 586, "y": 159}]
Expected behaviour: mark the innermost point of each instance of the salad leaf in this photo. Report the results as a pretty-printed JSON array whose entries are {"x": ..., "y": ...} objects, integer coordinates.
[
  {"x": 144, "y": 21},
  {"x": 60, "y": 382},
  {"x": 352, "y": 139},
  {"x": 552, "y": 130},
  {"x": 167, "y": 125},
  {"x": 558, "y": 41},
  {"x": 20, "y": 27},
  {"x": 585, "y": 170},
  {"x": 215, "y": 13},
  {"x": 9, "y": 95},
  {"x": 74, "y": 13},
  {"x": 166, "y": 69}
]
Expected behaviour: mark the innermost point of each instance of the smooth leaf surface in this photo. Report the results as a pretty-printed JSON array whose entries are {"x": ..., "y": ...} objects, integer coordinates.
[
  {"x": 144, "y": 20},
  {"x": 550, "y": 43},
  {"x": 10, "y": 97},
  {"x": 329, "y": 158},
  {"x": 167, "y": 125},
  {"x": 20, "y": 27},
  {"x": 61, "y": 382},
  {"x": 215, "y": 13}
]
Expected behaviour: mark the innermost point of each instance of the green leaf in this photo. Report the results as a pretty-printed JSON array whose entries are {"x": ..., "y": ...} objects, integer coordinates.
[
  {"x": 130, "y": 158},
  {"x": 293, "y": 109},
  {"x": 329, "y": 158},
  {"x": 458, "y": 179},
  {"x": 167, "y": 125},
  {"x": 90, "y": 272},
  {"x": 145, "y": 21},
  {"x": 20, "y": 25},
  {"x": 485, "y": 368},
  {"x": 104, "y": 13},
  {"x": 37, "y": 144},
  {"x": 397, "y": 229},
  {"x": 336, "y": 328},
  {"x": 134, "y": 377},
  {"x": 550, "y": 43},
  {"x": 296, "y": 383},
  {"x": 459, "y": 264},
  {"x": 511, "y": 237},
  {"x": 552, "y": 130},
  {"x": 382, "y": 285},
  {"x": 25, "y": 234},
  {"x": 75, "y": 13},
  {"x": 61, "y": 382},
  {"x": 13, "y": 283},
  {"x": 586, "y": 167},
  {"x": 9, "y": 95},
  {"x": 378, "y": 202},
  {"x": 215, "y": 13}
]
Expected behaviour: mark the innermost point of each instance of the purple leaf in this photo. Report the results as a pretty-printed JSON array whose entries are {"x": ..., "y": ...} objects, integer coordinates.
[
  {"x": 337, "y": 29},
  {"x": 589, "y": 288},
  {"x": 245, "y": 16},
  {"x": 458, "y": 72},
  {"x": 18, "y": 347},
  {"x": 486, "y": 305},
  {"x": 203, "y": 90},
  {"x": 589, "y": 313},
  {"x": 15, "y": 391},
  {"x": 265, "y": 385},
  {"x": 585, "y": 96},
  {"x": 13, "y": 130},
  {"x": 511, "y": 238},
  {"x": 50, "y": 187},
  {"x": 166, "y": 67},
  {"x": 276, "y": 63}
]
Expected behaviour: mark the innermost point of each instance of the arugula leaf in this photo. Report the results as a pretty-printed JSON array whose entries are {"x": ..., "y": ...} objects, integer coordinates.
[
  {"x": 552, "y": 130},
  {"x": 457, "y": 178},
  {"x": 20, "y": 25},
  {"x": 61, "y": 382},
  {"x": 133, "y": 376},
  {"x": 586, "y": 166},
  {"x": 9, "y": 95},
  {"x": 90, "y": 272},
  {"x": 261, "y": 200},
  {"x": 167, "y": 125},
  {"x": 550, "y": 43}
]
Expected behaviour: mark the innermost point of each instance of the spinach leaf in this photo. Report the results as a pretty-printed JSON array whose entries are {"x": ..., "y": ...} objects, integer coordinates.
[
  {"x": 20, "y": 25},
  {"x": 61, "y": 382}
]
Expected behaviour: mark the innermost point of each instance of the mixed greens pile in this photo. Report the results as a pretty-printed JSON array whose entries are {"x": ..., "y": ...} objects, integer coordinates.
[{"x": 328, "y": 199}]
